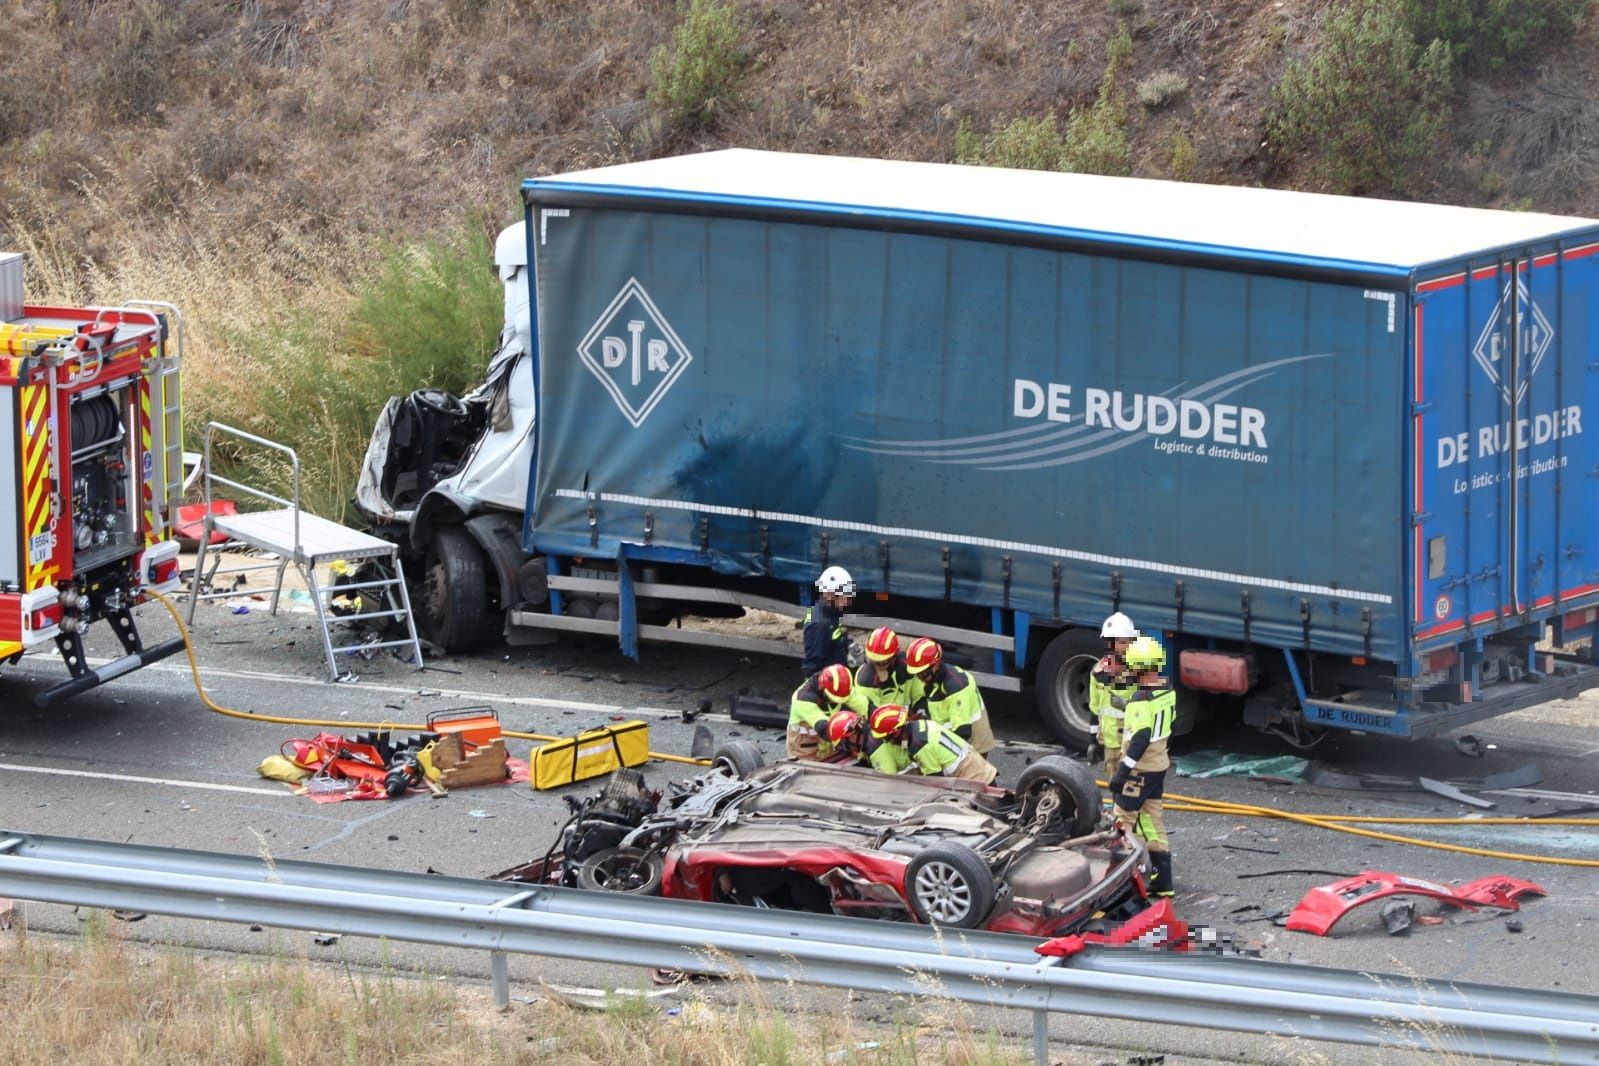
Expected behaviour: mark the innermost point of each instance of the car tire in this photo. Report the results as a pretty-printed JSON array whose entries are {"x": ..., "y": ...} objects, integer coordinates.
[
  {"x": 625, "y": 870},
  {"x": 742, "y": 757},
  {"x": 950, "y": 885},
  {"x": 1061, "y": 686},
  {"x": 455, "y": 593},
  {"x": 1075, "y": 785}
]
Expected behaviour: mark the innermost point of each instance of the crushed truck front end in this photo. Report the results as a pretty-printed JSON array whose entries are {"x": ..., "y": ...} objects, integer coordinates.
[{"x": 91, "y": 462}]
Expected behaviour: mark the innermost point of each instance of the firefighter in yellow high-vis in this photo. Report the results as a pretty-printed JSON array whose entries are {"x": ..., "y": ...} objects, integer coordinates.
[
  {"x": 947, "y": 694},
  {"x": 1111, "y": 685},
  {"x": 883, "y": 678},
  {"x": 811, "y": 706},
  {"x": 1139, "y": 783},
  {"x": 897, "y": 744}
]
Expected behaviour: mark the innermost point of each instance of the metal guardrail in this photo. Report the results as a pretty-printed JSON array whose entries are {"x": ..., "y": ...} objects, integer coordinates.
[{"x": 988, "y": 969}]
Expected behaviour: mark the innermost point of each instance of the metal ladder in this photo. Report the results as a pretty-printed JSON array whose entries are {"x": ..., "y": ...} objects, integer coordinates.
[
  {"x": 306, "y": 541},
  {"x": 396, "y": 606},
  {"x": 166, "y": 394}
]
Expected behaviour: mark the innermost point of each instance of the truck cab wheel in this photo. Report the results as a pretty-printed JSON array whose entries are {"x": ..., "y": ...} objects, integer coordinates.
[
  {"x": 1061, "y": 686},
  {"x": 454, "y": 604}
]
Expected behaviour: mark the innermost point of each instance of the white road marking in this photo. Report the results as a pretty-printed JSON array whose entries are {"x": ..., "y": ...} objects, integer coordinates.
[
  {"x": 1545, "y": 794},
  {"x": 540, "y": 702},
  {"x": 401, "y": 690},
  {"x": 144, "y": 780}
]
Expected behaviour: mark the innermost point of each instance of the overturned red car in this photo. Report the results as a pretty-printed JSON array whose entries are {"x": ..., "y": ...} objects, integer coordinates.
[{"x": 1038, "y": 860}]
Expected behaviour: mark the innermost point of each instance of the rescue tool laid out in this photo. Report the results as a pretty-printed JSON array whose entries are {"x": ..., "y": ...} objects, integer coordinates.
[
  {"x": 830, "y": 839},
  {"x": 1339, "y": 452},
  {"x": 91, "y": 474}
]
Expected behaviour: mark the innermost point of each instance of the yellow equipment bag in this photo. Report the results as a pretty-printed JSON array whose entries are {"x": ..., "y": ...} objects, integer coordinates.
[
  {"x": 278, "y": 768},
  {"x": 590, "y": 754}
]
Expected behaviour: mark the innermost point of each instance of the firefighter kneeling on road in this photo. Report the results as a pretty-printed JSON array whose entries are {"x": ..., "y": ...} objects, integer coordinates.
[
  {"x": 895, "y": 744},
  {"x": 813, "y": 703},
  {"x": 1139, "y": 783},
  {"x": 1111, "y": 685},
  {"x": 947, "y": 694}
]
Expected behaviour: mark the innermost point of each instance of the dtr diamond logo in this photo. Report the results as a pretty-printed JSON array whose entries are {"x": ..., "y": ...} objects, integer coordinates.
[
  {"x": 634, "y": 352},
  {"x": 1492, "y": 350}
]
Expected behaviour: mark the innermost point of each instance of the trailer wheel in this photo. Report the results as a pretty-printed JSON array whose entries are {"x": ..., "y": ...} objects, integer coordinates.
[
  {"x": 455, "y": 593},
  {"x": 1061, "y": 686}
]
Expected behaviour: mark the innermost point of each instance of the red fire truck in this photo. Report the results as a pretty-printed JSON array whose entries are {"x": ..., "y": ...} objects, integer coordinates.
[{"x": 91, "y": 475}]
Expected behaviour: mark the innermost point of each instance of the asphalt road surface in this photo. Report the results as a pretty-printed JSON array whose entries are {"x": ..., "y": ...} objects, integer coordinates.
[{"x": 142, "y": 761}]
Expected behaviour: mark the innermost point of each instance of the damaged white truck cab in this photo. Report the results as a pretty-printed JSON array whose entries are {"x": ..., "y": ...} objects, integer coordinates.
[{"x": 446, "y": 478}]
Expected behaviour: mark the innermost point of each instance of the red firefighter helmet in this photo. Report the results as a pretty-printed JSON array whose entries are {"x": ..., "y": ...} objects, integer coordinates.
[
  {"x": 845, "y": 727},
  {"x": 882, "y": 645},
  {"x": 835, "y": 682},
  {"x": 924, "y": 654},
  {"x": 888, "y": 720}
]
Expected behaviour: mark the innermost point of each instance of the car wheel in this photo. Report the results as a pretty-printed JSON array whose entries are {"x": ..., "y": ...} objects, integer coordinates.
[
  {"x": 455, "y": 593},
  {"x": 637, "y": 873},
  {"x": 950, "y": 885},
  {"x": 739, "y": 757},
  {"x": 1071, "y": 785},
  {"x": 1061, "y": 686}
]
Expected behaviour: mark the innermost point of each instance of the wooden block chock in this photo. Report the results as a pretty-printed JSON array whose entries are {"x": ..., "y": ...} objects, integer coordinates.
[{"x": 460, "y": 763}]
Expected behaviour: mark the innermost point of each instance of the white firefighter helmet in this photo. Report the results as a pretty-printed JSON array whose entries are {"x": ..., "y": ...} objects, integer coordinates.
[
  {"x": 1118, "y": 627},
  {"x": 836, "y": 579}
]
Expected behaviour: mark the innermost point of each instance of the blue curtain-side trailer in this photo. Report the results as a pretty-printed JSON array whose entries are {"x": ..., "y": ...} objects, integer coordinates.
[{"x": 1335, "y": 452}]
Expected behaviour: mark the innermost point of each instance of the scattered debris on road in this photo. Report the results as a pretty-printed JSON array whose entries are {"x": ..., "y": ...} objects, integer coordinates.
[
  {"x": 1204, "y": 764},
  {"x": 1323, "y": 906},
  {"x": 1398, "y": 915},
  {"x": 1318, "y": 773},
  {"x": 1448, "y": 791}
]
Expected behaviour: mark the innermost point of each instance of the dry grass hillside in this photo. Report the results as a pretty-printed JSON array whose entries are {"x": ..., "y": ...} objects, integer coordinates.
[
  {"x": 319, "y": 115},
  {"x": 244, "y": 158}
]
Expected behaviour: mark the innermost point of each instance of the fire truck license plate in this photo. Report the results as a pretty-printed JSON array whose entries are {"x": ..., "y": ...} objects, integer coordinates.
[{"x": 39, "y": 548}]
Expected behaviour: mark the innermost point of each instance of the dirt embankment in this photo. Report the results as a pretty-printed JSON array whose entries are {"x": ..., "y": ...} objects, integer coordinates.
[{"x": 314, "y": 116}]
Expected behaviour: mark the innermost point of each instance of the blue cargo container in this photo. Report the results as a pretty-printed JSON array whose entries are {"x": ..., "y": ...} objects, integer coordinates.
[{"x": 1333, "y": 449}]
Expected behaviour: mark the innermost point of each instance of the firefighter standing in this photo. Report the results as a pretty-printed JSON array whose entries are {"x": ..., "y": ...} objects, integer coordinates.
[
  {"x": 897, "y": 743},
  {"x": 947, "y": 694},
  {"x": 825, "y": 642},
  {"x": 883, "y": 677},
  {"x": 1111, "y": 685},
  {"x": 1139, "y": 783},
  {"x": 813, "y": 703}
]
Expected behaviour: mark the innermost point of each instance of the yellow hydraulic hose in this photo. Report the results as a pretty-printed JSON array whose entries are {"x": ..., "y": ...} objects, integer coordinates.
[
  {"x": 387, "y": 727},
  {"x": 1336, "y": 823},
  {"x": 1205, "y": 806}
]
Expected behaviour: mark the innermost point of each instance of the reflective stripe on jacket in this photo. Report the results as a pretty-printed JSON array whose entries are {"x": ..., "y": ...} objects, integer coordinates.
[
  {"x": 950, "y": 698},
  {"x": 1148, "y": 725},
  {"x": 898, "y": 687}
]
